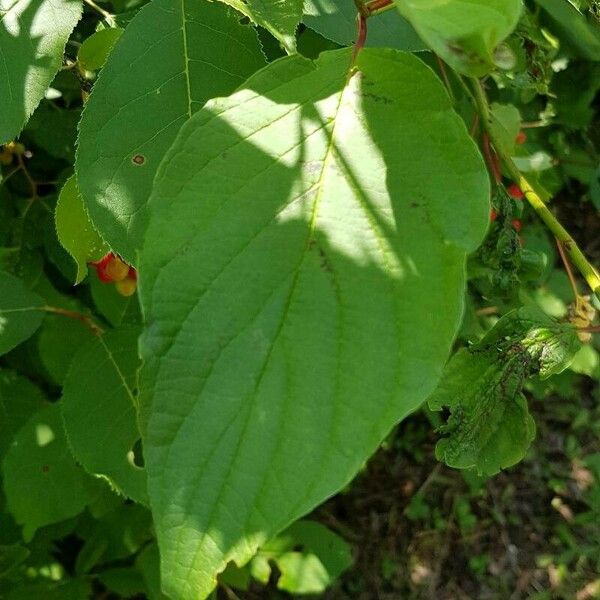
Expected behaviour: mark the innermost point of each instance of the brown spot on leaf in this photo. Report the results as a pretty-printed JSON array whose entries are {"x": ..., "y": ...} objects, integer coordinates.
[{"x": 138, "y": 159}]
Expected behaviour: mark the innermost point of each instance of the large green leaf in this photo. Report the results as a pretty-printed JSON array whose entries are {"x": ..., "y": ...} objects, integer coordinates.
[
  {"x": 336, "y": 21},
  {"x": 464, "y": 33},
  {"x": 279, "y": 17},
  {"x": 20, "y": 312},
  {"x": 33, "y": 35},
  {"x": 170, "y": 60},
  {"x": 98, "y": 407},
  {"x": 42, "y": 482},
  {"x": 302, "y": 280}
]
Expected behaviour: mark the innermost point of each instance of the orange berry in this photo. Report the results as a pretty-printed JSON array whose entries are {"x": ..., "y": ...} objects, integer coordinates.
[
  {"x": 521, "y": 137},
  {"x": 116, "y": 269},
  {"x": 126, "y": 287}
]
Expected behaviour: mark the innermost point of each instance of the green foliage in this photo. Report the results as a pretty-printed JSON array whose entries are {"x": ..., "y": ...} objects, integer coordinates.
[
  {"x": 19, "y": 400},
  {"x": 279, "y": 17},
  {"x": 106, "y": 368},
  {"x": 305, "y": 197},
  {"x": 337, "y": 21},
  {"x": 582, "y": 36},
  {"x": 75, "y": 230},
  {"x": 308, "y": 556},
  {"x": 38, "y": 466},
  {"x": 20, "y": 312},
  {"x": 94, "y": 51},
  {"x": 288, "y": 198},
  {"x": 490, "y": 427},
  {"x": 465, "y": 37},
  {"x": 168, "y": 63},
  {"x": 33, "y": 34}
]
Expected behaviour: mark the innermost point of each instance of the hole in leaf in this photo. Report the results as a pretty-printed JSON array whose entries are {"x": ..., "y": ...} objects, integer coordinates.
[{"x": 136, "y": 456}]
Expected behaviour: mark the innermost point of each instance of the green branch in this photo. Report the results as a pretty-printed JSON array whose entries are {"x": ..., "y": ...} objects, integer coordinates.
[{"x": 562, "y": 235}]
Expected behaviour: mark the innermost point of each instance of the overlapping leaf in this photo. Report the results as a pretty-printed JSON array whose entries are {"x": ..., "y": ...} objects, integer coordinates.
[
  {"x": 98, "y": 407},
  {"x": 168, "y": 62},
  {"x": 75, "y": 230},
  {"x": 572, "y": 27},
  {"x": 464, "y": 33},
  {"x": 42, "y": 482},
  {"x": 95, "y": 50},
  {"x": 19, "y": 400},
  {"x": 286, "y": 278},
  {"x": 33, "y": 35},
  {"x": 337, "y": 21},
  {"x": 490, "y": 427},
  {"x": 279, "y": 17},
  {"x": 20, "y": 312}
]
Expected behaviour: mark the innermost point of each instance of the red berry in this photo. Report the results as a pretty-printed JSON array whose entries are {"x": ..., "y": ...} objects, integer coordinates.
[
  {"x": 521, "y": 137},
  {"x": 493, "y": 214},
  {"x": 517, "y": 225},
  {"x": 100, "y": 266},
  {"x": 132, "y": 274},
  {"x": 514, "y": 191}
]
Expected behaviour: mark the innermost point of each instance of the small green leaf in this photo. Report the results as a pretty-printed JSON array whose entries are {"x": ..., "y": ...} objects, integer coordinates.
[
  {"x": 278, "y": 17},
  {"x": 94, "y": 51},
  {"x": 167, "y": 64},
  {"x": 490, "y": 427},
  {"x": 42, "y": 482},
  {"x": 309, "y": 557},
  {"x": 19, "y": 400},
  {"x": 20, "y": 312},
  {"x": 337, "y": 21},
  {"x": 98, "y": 407},
  {"x": 464, "y": 33},
  {"x": 33, "y": 35},
  {"x": 75, "y": 230}
]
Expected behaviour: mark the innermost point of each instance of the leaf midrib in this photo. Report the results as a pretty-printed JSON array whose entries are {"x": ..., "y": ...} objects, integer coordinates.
[{"x": 312, "y": 226}]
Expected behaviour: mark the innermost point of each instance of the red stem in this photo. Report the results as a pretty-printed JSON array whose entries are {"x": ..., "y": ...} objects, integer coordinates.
[
  {"x": 491, "y": 158},
  {"x": 361, "y": 35}
]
